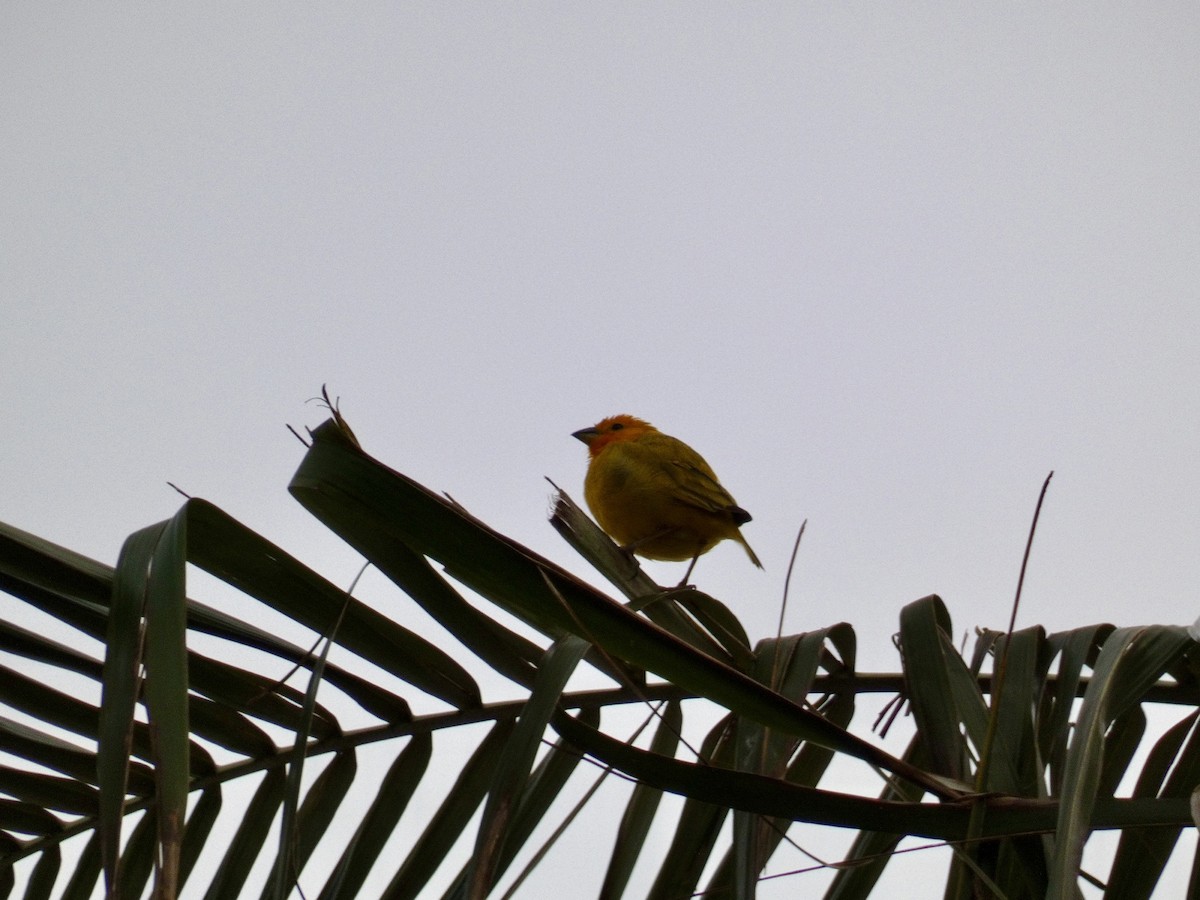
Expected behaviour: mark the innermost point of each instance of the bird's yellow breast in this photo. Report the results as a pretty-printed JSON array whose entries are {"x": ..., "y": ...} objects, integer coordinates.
[{"x": 641, "y": 496}]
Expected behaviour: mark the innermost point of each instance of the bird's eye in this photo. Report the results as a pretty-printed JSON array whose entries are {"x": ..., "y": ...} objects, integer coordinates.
[{"x": 616, "y": 426}]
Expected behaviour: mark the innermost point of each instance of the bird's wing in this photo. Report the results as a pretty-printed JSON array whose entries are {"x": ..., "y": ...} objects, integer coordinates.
[
  {"x": 692, "y": 479},
  {"x": 699, "y": 488}
]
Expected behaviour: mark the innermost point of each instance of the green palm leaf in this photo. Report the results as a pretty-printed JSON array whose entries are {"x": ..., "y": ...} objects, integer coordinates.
[{"x": 157, "y": 743}]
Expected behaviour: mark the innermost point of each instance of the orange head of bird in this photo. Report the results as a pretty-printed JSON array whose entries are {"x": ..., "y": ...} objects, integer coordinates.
[{"x": 611, "y": 430}]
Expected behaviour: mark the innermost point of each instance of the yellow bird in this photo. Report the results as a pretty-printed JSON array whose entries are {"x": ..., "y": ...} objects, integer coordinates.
[{"x": 655, "y": 495}]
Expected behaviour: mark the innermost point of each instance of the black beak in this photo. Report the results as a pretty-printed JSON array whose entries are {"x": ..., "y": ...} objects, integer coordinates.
[{"x": 585, "y": 434}]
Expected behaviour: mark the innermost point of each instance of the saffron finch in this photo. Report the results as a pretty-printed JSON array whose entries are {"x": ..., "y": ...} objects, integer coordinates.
[{"x": 655, "y": 495}]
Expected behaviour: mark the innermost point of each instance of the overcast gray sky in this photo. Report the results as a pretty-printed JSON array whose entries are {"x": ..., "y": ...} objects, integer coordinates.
[{"x": 884, "y": 266}]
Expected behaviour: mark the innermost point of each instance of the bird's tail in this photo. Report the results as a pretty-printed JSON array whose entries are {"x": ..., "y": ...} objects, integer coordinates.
[{"x": 753, "y": 556}]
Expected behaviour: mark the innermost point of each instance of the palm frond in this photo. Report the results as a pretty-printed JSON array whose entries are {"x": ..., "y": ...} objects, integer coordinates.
[{"x": 151, "y": 738}]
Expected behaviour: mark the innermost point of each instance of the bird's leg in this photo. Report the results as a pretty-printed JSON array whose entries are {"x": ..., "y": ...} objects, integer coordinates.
[
  {"x": 684, "y": 583},
  {"x": 632, "y": 546},
  {"x": 627, "y": 552}
]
